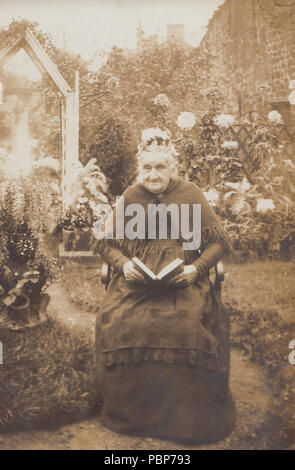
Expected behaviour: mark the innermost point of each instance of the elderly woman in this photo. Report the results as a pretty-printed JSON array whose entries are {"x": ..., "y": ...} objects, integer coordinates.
[{"x": 162, "y": 353}]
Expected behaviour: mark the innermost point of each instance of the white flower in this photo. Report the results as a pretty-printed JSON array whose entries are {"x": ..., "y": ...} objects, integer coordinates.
[
  {"x": 161, "y": 100},
  {"x": 186, "y": 121},
  {"x": 230, "y": 145},
  {"x": 148, "y": 134},
  {"x": 153, "y": 133},
  {"x": 212, "y": 196},
  {"x": 275, "y": 117},
  {"x": 165, "y": 135},
  {"x": 243, "y": 187},
  {"x": 292, "y": 84},
  {"x": 224, "y": 120},
  {"x": 292, "y": 97},
  {"x": 263, "y": 205}
]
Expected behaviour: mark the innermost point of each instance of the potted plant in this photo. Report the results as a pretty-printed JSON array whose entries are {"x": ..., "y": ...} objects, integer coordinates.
[
  {"x": 21, "y": 307},
  {"x": 25, "y": 273},
  {"x": 76, "y": 226},
  {"x": 86, "y": 192}
]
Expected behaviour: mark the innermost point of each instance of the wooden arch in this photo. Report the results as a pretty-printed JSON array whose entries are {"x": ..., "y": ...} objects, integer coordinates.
[{"x": 69, "y": 100}]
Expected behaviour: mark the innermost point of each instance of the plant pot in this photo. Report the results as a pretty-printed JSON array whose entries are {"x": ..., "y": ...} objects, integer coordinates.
[
  {"x": 28, "y": 313},
  {"x": 21, "y": 310},
  {"x": 77, "y": 240}
]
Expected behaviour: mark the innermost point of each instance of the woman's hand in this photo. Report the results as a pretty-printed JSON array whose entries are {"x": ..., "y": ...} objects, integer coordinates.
[
  {"x": 184, "y": 279},
  {"x": 131, "y": 273}
]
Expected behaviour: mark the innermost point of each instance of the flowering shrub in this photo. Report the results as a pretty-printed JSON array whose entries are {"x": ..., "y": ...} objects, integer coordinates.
[
  {"x": 257, "y": 225},
  {"x": 22, "y": 244},
  {"x": 254, "y": 195},
  {"x": 81, "y": 217},
  {"x": 210, "y": 155}
]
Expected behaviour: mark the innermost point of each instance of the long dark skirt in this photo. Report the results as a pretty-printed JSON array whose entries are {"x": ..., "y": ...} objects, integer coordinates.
[
  {"x": 162, "y": 357},
  {"x": 171, "y": 401}
]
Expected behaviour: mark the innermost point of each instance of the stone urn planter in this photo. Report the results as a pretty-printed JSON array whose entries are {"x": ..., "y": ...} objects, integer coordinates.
[
  {"x": 77, "y": 240},
  {"x": 20, "y": 310},
  {"x": 23, "y": 313}
]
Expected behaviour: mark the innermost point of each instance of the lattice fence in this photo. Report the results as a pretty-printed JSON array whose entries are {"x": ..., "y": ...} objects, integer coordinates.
[{"x": 243, "y": 135}]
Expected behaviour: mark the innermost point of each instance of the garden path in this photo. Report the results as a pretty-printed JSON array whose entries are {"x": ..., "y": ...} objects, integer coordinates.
[{"x": 247, "y": 381}]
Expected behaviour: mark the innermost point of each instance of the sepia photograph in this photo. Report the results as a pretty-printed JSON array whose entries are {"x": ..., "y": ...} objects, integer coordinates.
[{"x": 147, "y": 227}]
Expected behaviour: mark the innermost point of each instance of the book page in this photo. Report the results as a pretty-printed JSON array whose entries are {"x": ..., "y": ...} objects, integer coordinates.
[
  {"x": 143, "y": 268},
  {"x": 170, "y": 268}
]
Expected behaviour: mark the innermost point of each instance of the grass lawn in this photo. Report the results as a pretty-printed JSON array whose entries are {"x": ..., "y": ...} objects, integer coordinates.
[
  {"x": 264, "y": 286},
  {"x": 47, "y": 377},
  {"x": 261, "y": 300},
  {"x": 83, "y": 285}
]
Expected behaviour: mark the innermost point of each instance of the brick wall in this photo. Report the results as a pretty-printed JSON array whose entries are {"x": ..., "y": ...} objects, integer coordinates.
[{"x": 253, "y": 47}]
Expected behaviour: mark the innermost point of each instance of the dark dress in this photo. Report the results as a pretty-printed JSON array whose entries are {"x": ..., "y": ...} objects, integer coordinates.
[{"x": 162, "y": 354}]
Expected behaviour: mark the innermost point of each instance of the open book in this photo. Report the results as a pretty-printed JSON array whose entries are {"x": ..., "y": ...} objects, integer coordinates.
[{"x": 169, "y": 271}]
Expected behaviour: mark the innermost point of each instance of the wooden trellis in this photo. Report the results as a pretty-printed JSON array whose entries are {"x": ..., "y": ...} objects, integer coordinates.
[
  {"x": 69, "y": 100},
  {"x": 242, "y": 134}
]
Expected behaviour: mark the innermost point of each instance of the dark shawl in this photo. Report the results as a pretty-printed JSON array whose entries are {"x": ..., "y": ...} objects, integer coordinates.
[{"x": 178, "y": 192}]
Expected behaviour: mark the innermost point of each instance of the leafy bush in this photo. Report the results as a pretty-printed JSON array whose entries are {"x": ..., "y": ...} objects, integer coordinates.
[
  {"x": 113, "y": 147},
  {"x": 35, "y": 192},
  {"x": 25, "y": 272}
]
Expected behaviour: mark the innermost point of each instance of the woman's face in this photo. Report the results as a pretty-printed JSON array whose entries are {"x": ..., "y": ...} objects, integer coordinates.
[{"x": 155, "y": 171}]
